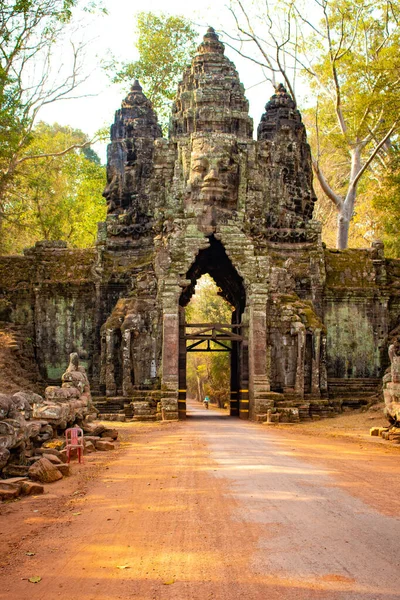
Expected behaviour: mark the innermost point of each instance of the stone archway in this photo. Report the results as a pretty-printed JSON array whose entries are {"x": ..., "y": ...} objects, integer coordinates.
[{"x": 214, "y": 261}]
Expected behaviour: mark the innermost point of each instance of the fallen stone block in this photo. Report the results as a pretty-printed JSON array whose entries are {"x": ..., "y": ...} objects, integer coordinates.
[
  {"x": 44, "y": 471},
  {"x": 110, "y": 433},
  {"x": 31, "y": 488},
  {"x": 53, "y": 459},
  {"x": 9, "y": 494},
  {"x": 64, "y": 469},
  {"x": 12, "y": 482},
  {"x": 89, "y": 447},
  {"x": 53, "y": 451},
  {"x": 102, "y": 445},
  {"x": 15, "y": 470},
  {"x": 374, "y": 431},
  {"x": 98, "y": 430},
  {"x": 92, "y": 438}
]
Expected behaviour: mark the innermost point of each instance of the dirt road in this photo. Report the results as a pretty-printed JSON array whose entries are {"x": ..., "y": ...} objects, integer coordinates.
[{"x": 213, "y": 507}]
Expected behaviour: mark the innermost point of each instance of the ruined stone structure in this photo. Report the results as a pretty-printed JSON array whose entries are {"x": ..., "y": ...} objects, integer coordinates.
[
  {"x": 311, "y": 324},
  {"x": 27, "y": 420}
]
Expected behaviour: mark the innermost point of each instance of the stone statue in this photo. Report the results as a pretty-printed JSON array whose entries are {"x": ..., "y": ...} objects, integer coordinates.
[
  {"x": 391, "y": 385},
  {"x": 69, "y": 403}
]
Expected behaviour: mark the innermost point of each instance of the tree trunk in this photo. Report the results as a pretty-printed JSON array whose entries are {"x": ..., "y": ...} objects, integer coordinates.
[
  {"x": 347, "y": 209},
  {"x": 343, "y": 224}
]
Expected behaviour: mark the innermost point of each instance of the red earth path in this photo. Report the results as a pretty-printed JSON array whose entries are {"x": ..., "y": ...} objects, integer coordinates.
[{"x": 213, "y": 507}]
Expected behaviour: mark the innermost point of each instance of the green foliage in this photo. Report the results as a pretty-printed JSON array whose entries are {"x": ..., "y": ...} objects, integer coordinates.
[
  {"x": 354, "y": 80},
  {"x": 208, "y": 373},
  {"x": 386, "y": 204},
  {"x": 55, "y": 197},
  {"x": 165, "y": 44},
  {"x": 29, "y": 31}
]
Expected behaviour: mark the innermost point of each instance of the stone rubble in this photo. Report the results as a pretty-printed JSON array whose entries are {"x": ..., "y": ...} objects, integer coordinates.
[{"x": 29, "y": 425}]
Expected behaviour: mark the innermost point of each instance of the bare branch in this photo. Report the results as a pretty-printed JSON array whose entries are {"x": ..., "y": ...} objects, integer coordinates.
[
  {"x": 357, "y": 178},
  {"x": 336, "y": 199}
]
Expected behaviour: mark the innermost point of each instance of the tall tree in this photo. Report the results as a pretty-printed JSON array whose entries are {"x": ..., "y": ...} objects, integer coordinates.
[
  {"x": 165, "y": 44},
  {"x": 29, "y": 80},
  {"x": 348, "y": 53},
  {"x": 58, "y": 196}
]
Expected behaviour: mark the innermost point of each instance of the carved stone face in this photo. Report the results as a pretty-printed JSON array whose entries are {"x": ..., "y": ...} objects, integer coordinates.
[{"x": 214, "y": 171}]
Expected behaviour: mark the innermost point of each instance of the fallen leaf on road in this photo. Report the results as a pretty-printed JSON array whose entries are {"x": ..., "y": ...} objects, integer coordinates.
[
  {"x": 76, "y": 514},
  {"x": 30, "y": 553},
  {"x": 170, "y": 582},
  {"x": 123, "y": 567},
  {"x": 35, "y": 579}
]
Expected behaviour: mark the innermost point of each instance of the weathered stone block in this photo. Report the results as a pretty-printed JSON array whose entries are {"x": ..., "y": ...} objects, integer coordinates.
[
  {"x": 31, "y": 488},
  {"x": 102, "y": 445},
  {"x": 9, "y": 494},
  {"x": 64, "y": 469},
  {"x": 44, "y": 471},
  {"x": 52, "y": 458}
]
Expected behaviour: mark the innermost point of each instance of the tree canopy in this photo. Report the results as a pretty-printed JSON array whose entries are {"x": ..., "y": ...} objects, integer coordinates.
[
  {"x": 29, "y": 79},
  {"x": 55, "y": 197},
  {"x": 165, "y": 44},
  {"x": 347, "y": 53}
]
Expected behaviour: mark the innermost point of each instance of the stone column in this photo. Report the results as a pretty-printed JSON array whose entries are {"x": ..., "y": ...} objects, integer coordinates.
[
  {"x": 111, "y": 388},
  {"x": 126, "y": 363},
  {"x": 323, "y": 375},
  {"x": 259, "y": 384},
  {"x": 316, "y": 356},
  {"x": 170, "y": 351},
  {"x": 299, "y": 329}
]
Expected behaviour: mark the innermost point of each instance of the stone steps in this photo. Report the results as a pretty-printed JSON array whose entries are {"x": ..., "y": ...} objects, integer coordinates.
[{"x": 354, "y": 388}]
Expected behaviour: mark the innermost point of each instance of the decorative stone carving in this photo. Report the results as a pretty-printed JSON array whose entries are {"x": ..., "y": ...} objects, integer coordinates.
[
  {"x": 391, "y": 385},
  {"x": 69, "y": 403}
]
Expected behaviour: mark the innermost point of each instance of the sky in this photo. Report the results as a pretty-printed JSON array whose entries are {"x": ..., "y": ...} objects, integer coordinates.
[{"x": 112, "y": 35}]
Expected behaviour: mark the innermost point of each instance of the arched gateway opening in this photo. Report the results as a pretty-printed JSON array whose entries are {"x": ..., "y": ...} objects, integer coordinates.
[{"x": 211, "y": 337}]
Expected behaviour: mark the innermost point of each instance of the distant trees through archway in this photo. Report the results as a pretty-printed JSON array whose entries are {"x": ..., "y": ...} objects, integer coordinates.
[{"x": 208, "y": 373}]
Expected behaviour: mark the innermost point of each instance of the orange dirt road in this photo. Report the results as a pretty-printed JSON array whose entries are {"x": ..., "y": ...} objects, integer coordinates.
[{"x": 212, "y": 507}]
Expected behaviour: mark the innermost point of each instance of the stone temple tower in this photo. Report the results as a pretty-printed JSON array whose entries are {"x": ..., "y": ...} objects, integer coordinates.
[
  {"x": 310, "y": 325},
  {"x": 211, "y": 199}
]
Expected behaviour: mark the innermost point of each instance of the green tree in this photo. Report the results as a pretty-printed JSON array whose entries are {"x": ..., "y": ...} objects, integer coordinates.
[
  {"x": 58, "y": 196},
  {"x": 208, "y": 373},
  {"x": 165, "y": 44},
  {"x": 29, "y": 80},
  {"x": 348, "y": 54},
  {"x": 386, "y": 204}
]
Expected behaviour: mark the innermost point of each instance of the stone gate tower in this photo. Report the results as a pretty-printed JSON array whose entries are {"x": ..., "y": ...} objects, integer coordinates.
[
  {"x": 210, "y": 199},
  {"x": 310, "y": 325}
]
